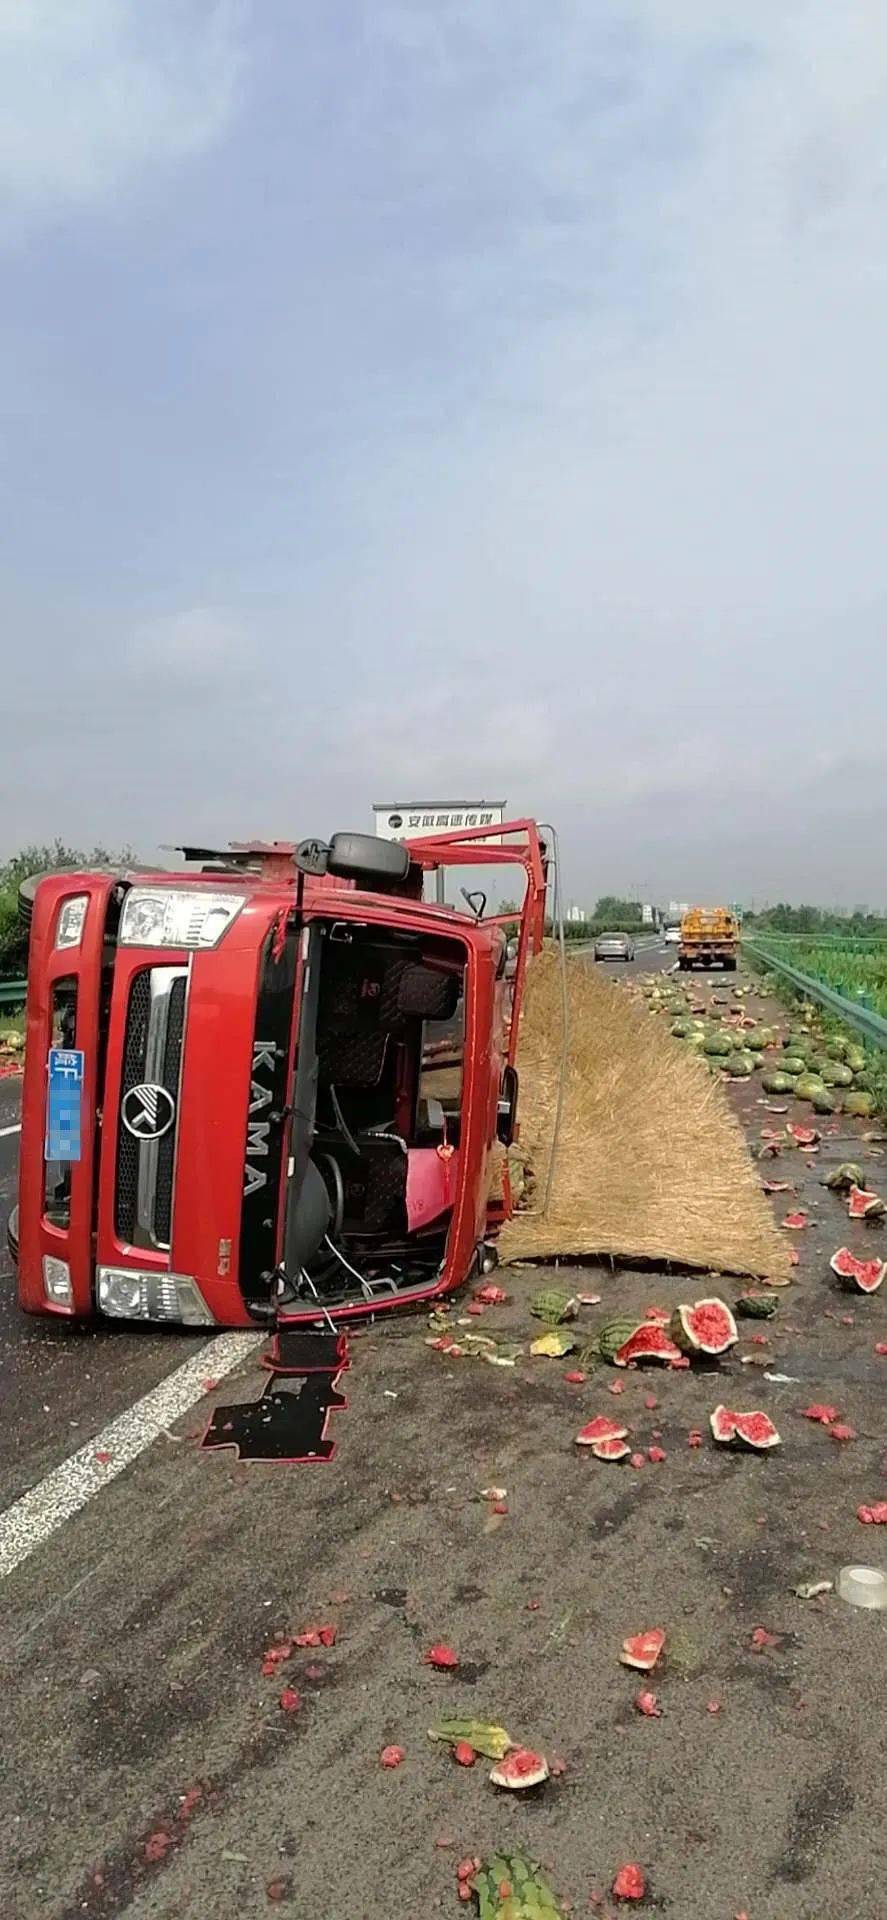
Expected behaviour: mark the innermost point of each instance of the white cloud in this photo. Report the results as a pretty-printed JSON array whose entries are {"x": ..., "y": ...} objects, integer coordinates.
[{"x": 92, "y": 92}]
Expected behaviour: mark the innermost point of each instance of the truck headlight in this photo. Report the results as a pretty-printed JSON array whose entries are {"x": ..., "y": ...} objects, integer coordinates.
[
  {"x": 167, "y": 917},
  {"x": 57, "y": 1287},
  {"x": 69, "y": 926},
  {"x": 126, "y": 1293}
]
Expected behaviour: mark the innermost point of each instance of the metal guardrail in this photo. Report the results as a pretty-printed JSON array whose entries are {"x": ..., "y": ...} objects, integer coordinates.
[
  {"x": 13, "y": 993},
  {"x": 862, "y": 1019}
]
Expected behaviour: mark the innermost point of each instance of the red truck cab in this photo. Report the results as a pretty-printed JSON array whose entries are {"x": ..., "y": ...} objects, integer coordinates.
[{"x": 278, "y": 1086}]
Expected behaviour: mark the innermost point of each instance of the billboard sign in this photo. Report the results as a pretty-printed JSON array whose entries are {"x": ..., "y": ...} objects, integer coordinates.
[{"x": 422, "y": 819}]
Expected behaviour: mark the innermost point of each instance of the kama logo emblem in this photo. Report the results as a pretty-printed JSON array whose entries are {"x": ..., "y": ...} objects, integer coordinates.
[{"x": 148, "y": 1112}]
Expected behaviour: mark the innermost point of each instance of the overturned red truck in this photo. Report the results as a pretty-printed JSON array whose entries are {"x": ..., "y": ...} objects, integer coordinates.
[{"x": 273, "y": 1087}]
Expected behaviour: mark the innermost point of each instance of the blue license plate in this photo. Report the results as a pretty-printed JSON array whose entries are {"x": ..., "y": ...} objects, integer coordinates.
[{"x": 63, "y": 1104}]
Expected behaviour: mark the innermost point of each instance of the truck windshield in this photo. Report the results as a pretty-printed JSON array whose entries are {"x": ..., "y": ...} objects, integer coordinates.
[{"x": 377, "y": 1099}]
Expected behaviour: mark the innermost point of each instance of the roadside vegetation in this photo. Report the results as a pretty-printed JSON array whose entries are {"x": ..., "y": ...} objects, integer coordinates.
[{"x": 36, "y": 859}]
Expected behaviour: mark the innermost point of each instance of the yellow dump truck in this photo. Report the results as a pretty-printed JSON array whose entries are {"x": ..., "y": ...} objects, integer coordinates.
[{"x": 709, "y": 938}]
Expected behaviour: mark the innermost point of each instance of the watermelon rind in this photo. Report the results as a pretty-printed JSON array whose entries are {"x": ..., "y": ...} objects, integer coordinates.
[{"x": 841, "y": 1179}]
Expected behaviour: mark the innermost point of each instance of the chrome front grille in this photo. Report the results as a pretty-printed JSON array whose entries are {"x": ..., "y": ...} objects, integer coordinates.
[{"x": 152, "y": 1057}]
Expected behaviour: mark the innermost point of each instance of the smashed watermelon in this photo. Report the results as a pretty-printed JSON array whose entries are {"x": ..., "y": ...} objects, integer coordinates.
[
  {"x": 598, "y": 1429},
  {"x": 862, "y": 1205},
  {"x": 520, "y": 1768},
  {"x": 754, "y": 1430},
  {"x": 611, "y": 1450},
  {"x": 708, "y": 1327},
  {"x": 643, "y": 1650},
  {"x": 648, "y": 1342},
  {"x": 865, "y": 1276}
]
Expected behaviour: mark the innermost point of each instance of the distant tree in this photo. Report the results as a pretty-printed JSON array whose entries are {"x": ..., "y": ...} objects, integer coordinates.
[{"x": 39, "y": 859}]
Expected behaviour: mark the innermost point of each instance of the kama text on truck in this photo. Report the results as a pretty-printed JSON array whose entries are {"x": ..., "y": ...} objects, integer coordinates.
[{"x": 273, "y": 1088}]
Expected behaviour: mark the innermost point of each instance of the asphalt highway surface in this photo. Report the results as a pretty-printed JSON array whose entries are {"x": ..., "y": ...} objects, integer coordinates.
[{"x": 151, "y": 1769}]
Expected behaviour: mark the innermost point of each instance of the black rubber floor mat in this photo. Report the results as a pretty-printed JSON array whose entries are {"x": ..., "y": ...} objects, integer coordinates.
[{"x": 288, "y": 1423}]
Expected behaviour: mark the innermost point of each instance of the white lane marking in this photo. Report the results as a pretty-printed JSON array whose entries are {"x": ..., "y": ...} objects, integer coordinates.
[
  {"x": 6, "y": 1131},
  {"x": 32, "y": 1519}
]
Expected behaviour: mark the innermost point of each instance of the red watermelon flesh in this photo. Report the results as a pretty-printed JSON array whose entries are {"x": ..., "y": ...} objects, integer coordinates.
[
  {"x": 649, "y": 1342},
  {"x": 865, "y": 1275},
  {"x": 862, "y": 1205},
  {"x": 804, "y": 1136},
  {"x": 600, "y": 1428},
  {"x": 642, "y": 1650},
  {"x": 707, "y": 1327}
]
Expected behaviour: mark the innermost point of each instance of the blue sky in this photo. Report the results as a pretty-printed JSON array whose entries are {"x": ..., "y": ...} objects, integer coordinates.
[{"x": 449, "y": 397}]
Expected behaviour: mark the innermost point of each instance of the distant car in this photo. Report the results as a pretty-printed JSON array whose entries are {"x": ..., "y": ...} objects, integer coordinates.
[
  {"x": 614, "y": 946},
  {"x": 672, "y": 936}
]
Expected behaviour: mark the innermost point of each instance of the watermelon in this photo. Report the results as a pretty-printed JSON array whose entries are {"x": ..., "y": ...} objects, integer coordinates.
[
  {"x": 808, "y": 1086},
  {"x": 511, "y": 1886},
  {"x": 717, "y": 1044},
  {"x": 804, "y": 1136},
  {"x": 825, "y": 1101},
  {"x": 610, "y": 1449},
  {"x": 855, "y": 1059},
  {"x": 757, "y": 1306},
  {"x": 793, "y": 1064},
  {"x": 681, "y": 1029},
  {"x": 552, "y": 1306},
  {"x": 776, "y": 1082},
  {"x": 838, "y": 1049},
  {"x": 643, "y": 1650},
  {"x": 841, "y": 1179},
  {"x": 648, "y": 1342},
  {"x": 598, "y": 1429},
  {"x": 754, "y": 1430},
  {"x": 865, "y": 1276},
  {"x": 613, "y": 1336},
  {"x": 707, "y": 1327},
  {"x": 862, "y": 1205},
  {"x": 519, "y": 1769},
  {"x": 740, "y": 1065},
  {"x": 862, "y": 1105},
  {"x": 835, "y": 1074}
]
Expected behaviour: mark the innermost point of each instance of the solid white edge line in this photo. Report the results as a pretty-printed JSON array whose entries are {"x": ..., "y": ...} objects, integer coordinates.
[
  {"x": 6, "y": 1131},
  {"x": 34, "y": 1517}
]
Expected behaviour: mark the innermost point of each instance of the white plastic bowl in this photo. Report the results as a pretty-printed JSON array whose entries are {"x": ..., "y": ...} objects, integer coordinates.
[{"x": 863, "y": 1587}]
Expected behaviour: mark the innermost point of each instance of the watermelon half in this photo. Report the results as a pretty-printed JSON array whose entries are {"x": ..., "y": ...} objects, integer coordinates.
[
  {"x": 754, "y": 1430},
  {"x": 648, "y": 1342},
  {"x": 864, "y": 1206},
  {"x": 708, "y": 1327},
  {"x": 865, "y": 1276}
]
